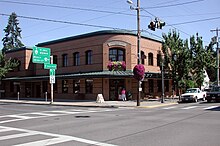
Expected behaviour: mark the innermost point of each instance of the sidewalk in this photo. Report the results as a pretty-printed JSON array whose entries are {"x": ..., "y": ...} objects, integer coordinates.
[{"x": 107, "y": 104}]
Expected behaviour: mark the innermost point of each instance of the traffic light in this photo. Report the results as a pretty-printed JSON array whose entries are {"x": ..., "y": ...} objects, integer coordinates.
[
  {"x": 152, "y": 25},
  {"x": 160, "y": 24}
]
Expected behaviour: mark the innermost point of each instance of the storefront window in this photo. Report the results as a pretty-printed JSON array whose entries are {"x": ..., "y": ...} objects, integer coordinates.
[
  {"x": 151, "y": 85},
  {"x": 89, "y": 86},
  {"x": 116, "y": 54},
  {"x": 76, "y": 86},
  {"x": 64, "y": 86},
  {"x": 159, "y": 86},
  {"x": 166, "y": 85}
]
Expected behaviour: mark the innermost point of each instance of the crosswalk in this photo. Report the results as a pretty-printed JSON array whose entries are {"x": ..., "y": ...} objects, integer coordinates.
[
  {"x": 43, "y": 114},
  {"x": 191, "y": 107},
  {"x": 48, "y": 138}
]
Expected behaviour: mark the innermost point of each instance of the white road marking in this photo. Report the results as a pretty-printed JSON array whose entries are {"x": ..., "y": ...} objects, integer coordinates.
[
  {"x": 24, "y": 116},
  {"x": 190, "y": 107},
  {"x": 16, "y": 135},
  {"x": 172, "y": 107},
  {"x": 55, "y": 138},
  {"x": 210, "y": 107}
]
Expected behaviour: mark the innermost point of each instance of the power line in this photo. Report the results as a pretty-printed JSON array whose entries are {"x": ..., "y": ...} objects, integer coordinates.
[
  {"x": 195, "y": 21},
  {"x": 65, "y": 22},
  {"x": 67, "y": 7},
  {"x": 172, "y": 5}
]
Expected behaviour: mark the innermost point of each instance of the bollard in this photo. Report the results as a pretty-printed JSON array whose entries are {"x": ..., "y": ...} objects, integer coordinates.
[
  {"x": 46, "y": 96},
  {"x": 18, "y": 95}
]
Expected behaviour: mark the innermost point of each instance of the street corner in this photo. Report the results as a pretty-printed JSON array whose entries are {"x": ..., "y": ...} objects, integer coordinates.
[{"x": 158, "y": 105}]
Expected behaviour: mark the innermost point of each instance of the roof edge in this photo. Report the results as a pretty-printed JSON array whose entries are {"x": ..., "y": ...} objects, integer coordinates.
[{"x": 96, "y": 33}]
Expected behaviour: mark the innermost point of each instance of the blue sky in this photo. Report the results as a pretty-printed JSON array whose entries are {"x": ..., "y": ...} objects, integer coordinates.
[{"x": 197, "y": 15}]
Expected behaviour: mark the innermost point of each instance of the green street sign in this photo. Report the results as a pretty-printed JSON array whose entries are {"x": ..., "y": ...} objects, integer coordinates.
[
  {"x": 41, "y": 55},
  {"x": 50, "y": 66},
  {"x": 52, "y": 72}
]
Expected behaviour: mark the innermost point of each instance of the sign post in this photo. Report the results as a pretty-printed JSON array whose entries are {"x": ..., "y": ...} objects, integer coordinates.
[
  {"x": 42, "y": 55},
  {"x": 52, "y": 73}
]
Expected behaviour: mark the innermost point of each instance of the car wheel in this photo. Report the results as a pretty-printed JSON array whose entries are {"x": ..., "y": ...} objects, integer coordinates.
[
  {"x": 196, "y": 100},
  {"x": 203, "y": 99},
  {"x": 208, "y": 100}
]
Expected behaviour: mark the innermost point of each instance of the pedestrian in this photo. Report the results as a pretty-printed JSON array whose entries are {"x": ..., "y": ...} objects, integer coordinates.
[{"x": 123, "y": 94}]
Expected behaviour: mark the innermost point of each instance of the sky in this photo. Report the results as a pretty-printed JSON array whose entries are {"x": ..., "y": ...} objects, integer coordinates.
[{"x": 46, "y": 20}]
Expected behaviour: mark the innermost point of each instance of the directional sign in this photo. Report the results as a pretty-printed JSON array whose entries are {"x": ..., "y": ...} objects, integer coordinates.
[
  {"x": 50, "y": 66},
  {"x": 41, "y": 55},
  {"x": 52, "y": 72}
]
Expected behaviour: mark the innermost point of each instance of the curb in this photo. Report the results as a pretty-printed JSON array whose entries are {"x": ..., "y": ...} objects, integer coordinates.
[{"x": 158, "y": 105}]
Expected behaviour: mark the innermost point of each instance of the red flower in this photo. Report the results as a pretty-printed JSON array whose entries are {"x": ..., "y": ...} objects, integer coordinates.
[
  {"x": 139, "y": 72},
  {"x": 116, "y": 66}
]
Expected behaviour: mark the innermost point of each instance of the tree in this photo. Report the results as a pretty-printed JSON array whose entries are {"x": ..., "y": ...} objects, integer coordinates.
[
  {"x": 12, "y": 34},
  {"x": 176, "y": 57},
  {"x": 6, "y": 65},
  {"x": 211, "y": 70},
  {"x": 201, "y": 59}
]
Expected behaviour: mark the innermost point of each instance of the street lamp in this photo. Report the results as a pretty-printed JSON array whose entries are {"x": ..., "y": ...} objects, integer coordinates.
[{"x": 138, "y": 42}]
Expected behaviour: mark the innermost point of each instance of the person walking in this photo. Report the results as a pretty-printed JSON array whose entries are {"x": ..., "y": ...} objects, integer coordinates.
[{"x": 123, "y": 94}]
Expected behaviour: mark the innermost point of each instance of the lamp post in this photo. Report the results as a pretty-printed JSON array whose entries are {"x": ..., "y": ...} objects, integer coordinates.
[{"x": 137, "y": 8}]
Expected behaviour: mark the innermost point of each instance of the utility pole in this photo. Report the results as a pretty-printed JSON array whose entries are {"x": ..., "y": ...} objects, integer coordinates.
[
  {"x": 138, "y": 49},
  {"x": 217, "y": 49},
  {"x": 137, "y": 8}
]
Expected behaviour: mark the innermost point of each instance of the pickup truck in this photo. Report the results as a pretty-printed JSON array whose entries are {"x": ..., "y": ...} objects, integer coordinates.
[
  {"x": 214, "y": 94},
  {"x": 193, "y": 94}
]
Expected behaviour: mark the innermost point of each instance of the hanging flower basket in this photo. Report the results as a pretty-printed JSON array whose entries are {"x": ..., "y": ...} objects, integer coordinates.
[
  {"x": 116, "y": 66},
  {"x": 139, "y": 72}
]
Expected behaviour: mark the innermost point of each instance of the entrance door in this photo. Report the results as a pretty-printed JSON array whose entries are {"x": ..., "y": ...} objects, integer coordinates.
[
  {"x": 38, "y": 92},
  {"x": 115, "y": 87}
]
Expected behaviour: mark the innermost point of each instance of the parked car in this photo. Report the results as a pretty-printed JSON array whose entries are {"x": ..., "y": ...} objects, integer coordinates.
[
  {"x": 214, "y": 94},
  {"x": 193, "y": 94}
]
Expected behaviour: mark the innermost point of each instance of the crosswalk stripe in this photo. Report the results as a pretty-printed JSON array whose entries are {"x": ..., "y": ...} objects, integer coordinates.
[
  {"x": 51, "y": 141},
  {"x": 190, "y": 107},
  {"x": 170, "y": 107},
  {"x": 16, "y": 135},
  {"x": 211, "y": 107},
  {"x": 46, "y": 142}
]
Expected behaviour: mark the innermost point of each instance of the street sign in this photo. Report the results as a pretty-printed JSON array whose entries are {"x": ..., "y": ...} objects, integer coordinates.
[
  {"x": 52, "y": 79},
  {"x": 52, "y": 72},
  {"x": 50, "y": 66},
  {"x": 41, "y": 55}
]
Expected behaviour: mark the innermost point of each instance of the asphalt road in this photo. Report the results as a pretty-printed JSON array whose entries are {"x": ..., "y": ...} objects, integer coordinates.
[{"x": 188, "y": 124}]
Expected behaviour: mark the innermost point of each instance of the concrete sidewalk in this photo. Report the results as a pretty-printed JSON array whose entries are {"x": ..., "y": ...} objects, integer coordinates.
[{"x": 107, "y": 104}]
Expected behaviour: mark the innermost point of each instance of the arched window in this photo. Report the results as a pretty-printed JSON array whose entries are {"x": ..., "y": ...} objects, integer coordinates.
[
  {"x": 143, "y": 57},
  {"x": 88, "y": 57},
  {"x": 65, "y": 60},
  {"x": 117, "y": 54},
  {"x": 76, "y": 59},
  {"x": 150, "y": 59},
  {"x": 54, "y": 59},
  {"x": 158, "y": 59}
]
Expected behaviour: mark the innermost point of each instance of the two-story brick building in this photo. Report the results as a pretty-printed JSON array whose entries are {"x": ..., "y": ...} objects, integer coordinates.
[{"x": 82, "y": 71}]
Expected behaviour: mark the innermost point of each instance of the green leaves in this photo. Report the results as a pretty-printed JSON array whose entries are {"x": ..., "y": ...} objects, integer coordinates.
[
  {"x": 12, "y": 34},
  {"x": 186, "y": 61},
  {"x": 6, "y": 65}
]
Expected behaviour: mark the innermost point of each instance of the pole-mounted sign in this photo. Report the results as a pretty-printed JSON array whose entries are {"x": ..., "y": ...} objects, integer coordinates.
[{"x": 41, "y": 55}]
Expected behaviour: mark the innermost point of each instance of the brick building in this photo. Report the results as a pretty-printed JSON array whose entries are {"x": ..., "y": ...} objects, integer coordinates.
[{"x": 82, "y": 71}]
